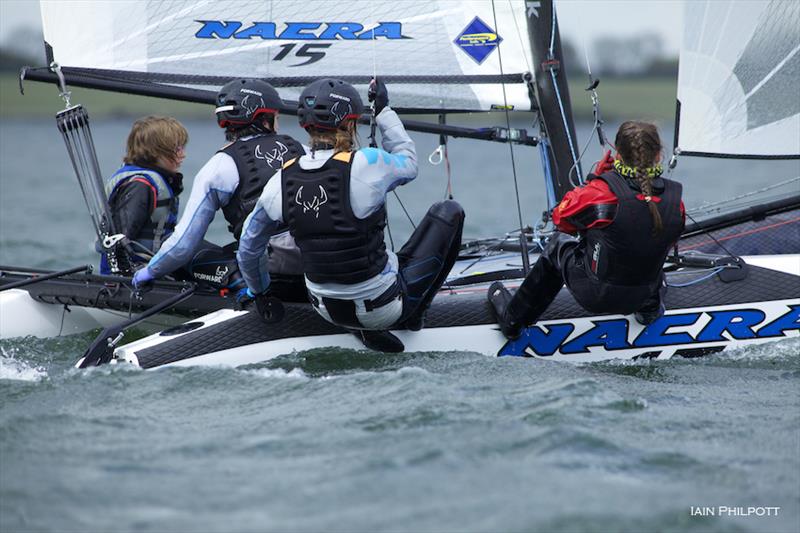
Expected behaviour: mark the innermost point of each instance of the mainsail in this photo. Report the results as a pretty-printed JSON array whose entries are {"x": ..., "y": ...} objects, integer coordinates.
[
  {"x": 738, "y": 92},
  {"x": 438, "y": 54}
]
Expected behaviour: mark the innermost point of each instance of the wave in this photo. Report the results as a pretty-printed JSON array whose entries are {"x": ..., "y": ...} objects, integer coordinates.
[{"x": 15, "y": 370}]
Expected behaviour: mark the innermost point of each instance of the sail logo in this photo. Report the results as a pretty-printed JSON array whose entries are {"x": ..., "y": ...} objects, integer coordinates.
[
  {"x": 670, "y": 330},
  {"x": 478, "y": 40},
  {"x": 308, "y": 31}
]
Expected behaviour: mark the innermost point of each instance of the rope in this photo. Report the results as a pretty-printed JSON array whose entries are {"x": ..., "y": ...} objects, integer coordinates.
[
  {"x": 525, "y": 259},
  {"x": 404, "y": 210},
  {"x": 698, "y": 280}
]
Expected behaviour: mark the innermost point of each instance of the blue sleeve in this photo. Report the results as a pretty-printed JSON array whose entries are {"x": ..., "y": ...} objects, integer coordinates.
[
  {"x": 252, "y": 257},
  {"x": 375, "y": 172},
  {"x": 211, "y": 190}
]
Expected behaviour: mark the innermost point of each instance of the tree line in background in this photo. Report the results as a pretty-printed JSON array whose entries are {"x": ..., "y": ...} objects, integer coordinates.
[
  {"x": 610, "y": 56},
  {"x": 641, "y": 55}
]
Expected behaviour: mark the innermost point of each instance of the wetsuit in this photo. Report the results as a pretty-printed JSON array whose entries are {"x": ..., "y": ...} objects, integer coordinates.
[
  {"x": 143, "y": 201},
  {"x": 616, "y": 266},
  {"x": 334, "y": 204},
  {"x": 219, "y": 185}
]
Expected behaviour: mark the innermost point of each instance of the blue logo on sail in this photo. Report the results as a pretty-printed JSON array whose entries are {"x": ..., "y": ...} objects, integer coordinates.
[{"x": 478, "y": 40}]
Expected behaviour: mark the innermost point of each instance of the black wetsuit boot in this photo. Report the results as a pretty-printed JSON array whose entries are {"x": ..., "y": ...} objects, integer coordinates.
[
  {"x": 537, "y": 292},
  {"x": 379, "y": 341},
  {"x": 653, "y": 307}
]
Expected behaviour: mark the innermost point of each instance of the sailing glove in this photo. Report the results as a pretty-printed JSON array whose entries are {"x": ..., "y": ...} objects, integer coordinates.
[
  {"x": 606, "y": 164},
  {"x": 269, "y": 308},
  {"x": 378, "y": 93},
  {"x": 142, "y": 277},
  {"x": 244, "y": 298}
]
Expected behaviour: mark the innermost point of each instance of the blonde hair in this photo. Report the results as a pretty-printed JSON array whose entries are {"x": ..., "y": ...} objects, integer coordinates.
[
  {"x": 343, "y": 138},
  {"x": 154, "y": 138}
]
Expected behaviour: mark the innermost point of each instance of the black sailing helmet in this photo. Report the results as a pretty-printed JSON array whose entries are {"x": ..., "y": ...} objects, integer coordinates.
[
  {"x": 326, "y": 103},
  {"x": 243, "y": 102}
]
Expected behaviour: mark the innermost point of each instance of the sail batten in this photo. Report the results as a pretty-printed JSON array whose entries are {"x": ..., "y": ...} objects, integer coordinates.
[
  {"x": 738, "y": 94},
  {"x": 438, "y": 54}
]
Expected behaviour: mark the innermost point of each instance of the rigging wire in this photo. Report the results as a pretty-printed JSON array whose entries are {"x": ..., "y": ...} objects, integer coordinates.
[
  {"x": 441, "y": 155},
  {"x": 523, "y": 238},
  {"x": 707, "y": 232},
  {"x": 373, "y": 143},
  {"x": 551, "y": 52},
  {"x": 598, "y": 122},
  {"x": 705, "y": 207}
]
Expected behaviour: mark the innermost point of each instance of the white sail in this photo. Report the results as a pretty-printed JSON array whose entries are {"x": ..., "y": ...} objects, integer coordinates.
[
  {"x": 449, "y": 40},
  {"x": 738, "y": 83}
]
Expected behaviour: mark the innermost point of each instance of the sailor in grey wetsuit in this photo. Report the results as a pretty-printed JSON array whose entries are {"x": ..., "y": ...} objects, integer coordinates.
[
  {"x": 333, "y": 200},
  {"x": 232, "y": 181}
]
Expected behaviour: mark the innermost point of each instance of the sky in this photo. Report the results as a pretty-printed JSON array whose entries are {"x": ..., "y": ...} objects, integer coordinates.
[{"x": 580, "y": 20}]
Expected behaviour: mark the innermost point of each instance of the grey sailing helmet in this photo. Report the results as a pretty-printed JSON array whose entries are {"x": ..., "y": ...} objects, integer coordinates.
[
  {"x": 244, "y": 101},
  {"x": 326, "y": 103}
]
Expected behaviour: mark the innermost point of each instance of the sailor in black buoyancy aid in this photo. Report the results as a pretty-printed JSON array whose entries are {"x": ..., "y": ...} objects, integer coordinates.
[
  {"x": 628, "y": 218},
  {"x": 231, "y": 181},
  {"x": 334, "y": 202},
  {"x": 143, "y": 193}
]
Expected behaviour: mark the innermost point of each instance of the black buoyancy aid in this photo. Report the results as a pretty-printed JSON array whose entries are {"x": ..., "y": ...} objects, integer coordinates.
[
  {"x": 336, "y": 246},
  {"x": 626, "y": 252},
  {"x": 257, "y": 160},
  {"x": 165, "y": 213}
]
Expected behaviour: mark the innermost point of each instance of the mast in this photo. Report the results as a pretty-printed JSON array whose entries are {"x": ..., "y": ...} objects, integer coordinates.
[{"x": 550, "y": 94}]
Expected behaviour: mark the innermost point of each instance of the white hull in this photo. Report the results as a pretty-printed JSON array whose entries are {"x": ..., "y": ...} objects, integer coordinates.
[
  {"x": 682, "y": 332},
  {"x": 22, "y": 316}
]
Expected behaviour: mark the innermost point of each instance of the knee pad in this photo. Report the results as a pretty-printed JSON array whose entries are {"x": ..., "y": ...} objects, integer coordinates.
[{"x": 448, "y": 210}]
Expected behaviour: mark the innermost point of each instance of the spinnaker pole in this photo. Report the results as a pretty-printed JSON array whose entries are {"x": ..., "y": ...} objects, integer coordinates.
[{"x": 550, "y": 94}]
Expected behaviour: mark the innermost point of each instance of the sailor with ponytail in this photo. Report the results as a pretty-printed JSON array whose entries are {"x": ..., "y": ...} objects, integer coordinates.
[
  {"x": 627, "y": 218},
  {"x": 333, "y": 201}
]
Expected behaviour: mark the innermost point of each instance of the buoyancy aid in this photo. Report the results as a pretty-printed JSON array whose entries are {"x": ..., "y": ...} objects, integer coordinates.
[
  {"x": 257, "y": 160},
  {"x": 627, "y": 252},
  {"x": 165, "y": 210},
  {"x": 336, "y": 246}
]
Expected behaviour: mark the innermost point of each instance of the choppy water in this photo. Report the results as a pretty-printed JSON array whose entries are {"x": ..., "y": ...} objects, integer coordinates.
[{"x": 340, "y": 440}]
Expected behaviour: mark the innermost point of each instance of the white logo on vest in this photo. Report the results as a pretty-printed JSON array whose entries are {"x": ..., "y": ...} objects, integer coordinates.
[
  {"x": 273, "y": 158},
  {"x": 314, "y": 204}
]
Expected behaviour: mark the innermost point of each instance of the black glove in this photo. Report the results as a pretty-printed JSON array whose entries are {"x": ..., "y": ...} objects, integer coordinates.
[
  {"x": 378, "y": 93},
  {"x": 269, "y": 308}
]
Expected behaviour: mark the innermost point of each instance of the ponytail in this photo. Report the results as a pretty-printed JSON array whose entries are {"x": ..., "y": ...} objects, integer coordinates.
[
  {"x": 639, "y": 146},
  {"x": 343, "y": 139},
  {"x": 646, "y": 186}
]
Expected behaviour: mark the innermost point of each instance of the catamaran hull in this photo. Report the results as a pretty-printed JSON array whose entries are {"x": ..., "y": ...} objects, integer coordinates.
[
  {"x": 688, "y": 333},
  {"x": 21, "y": 315},
  {"x": 707, "y": 316}
]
